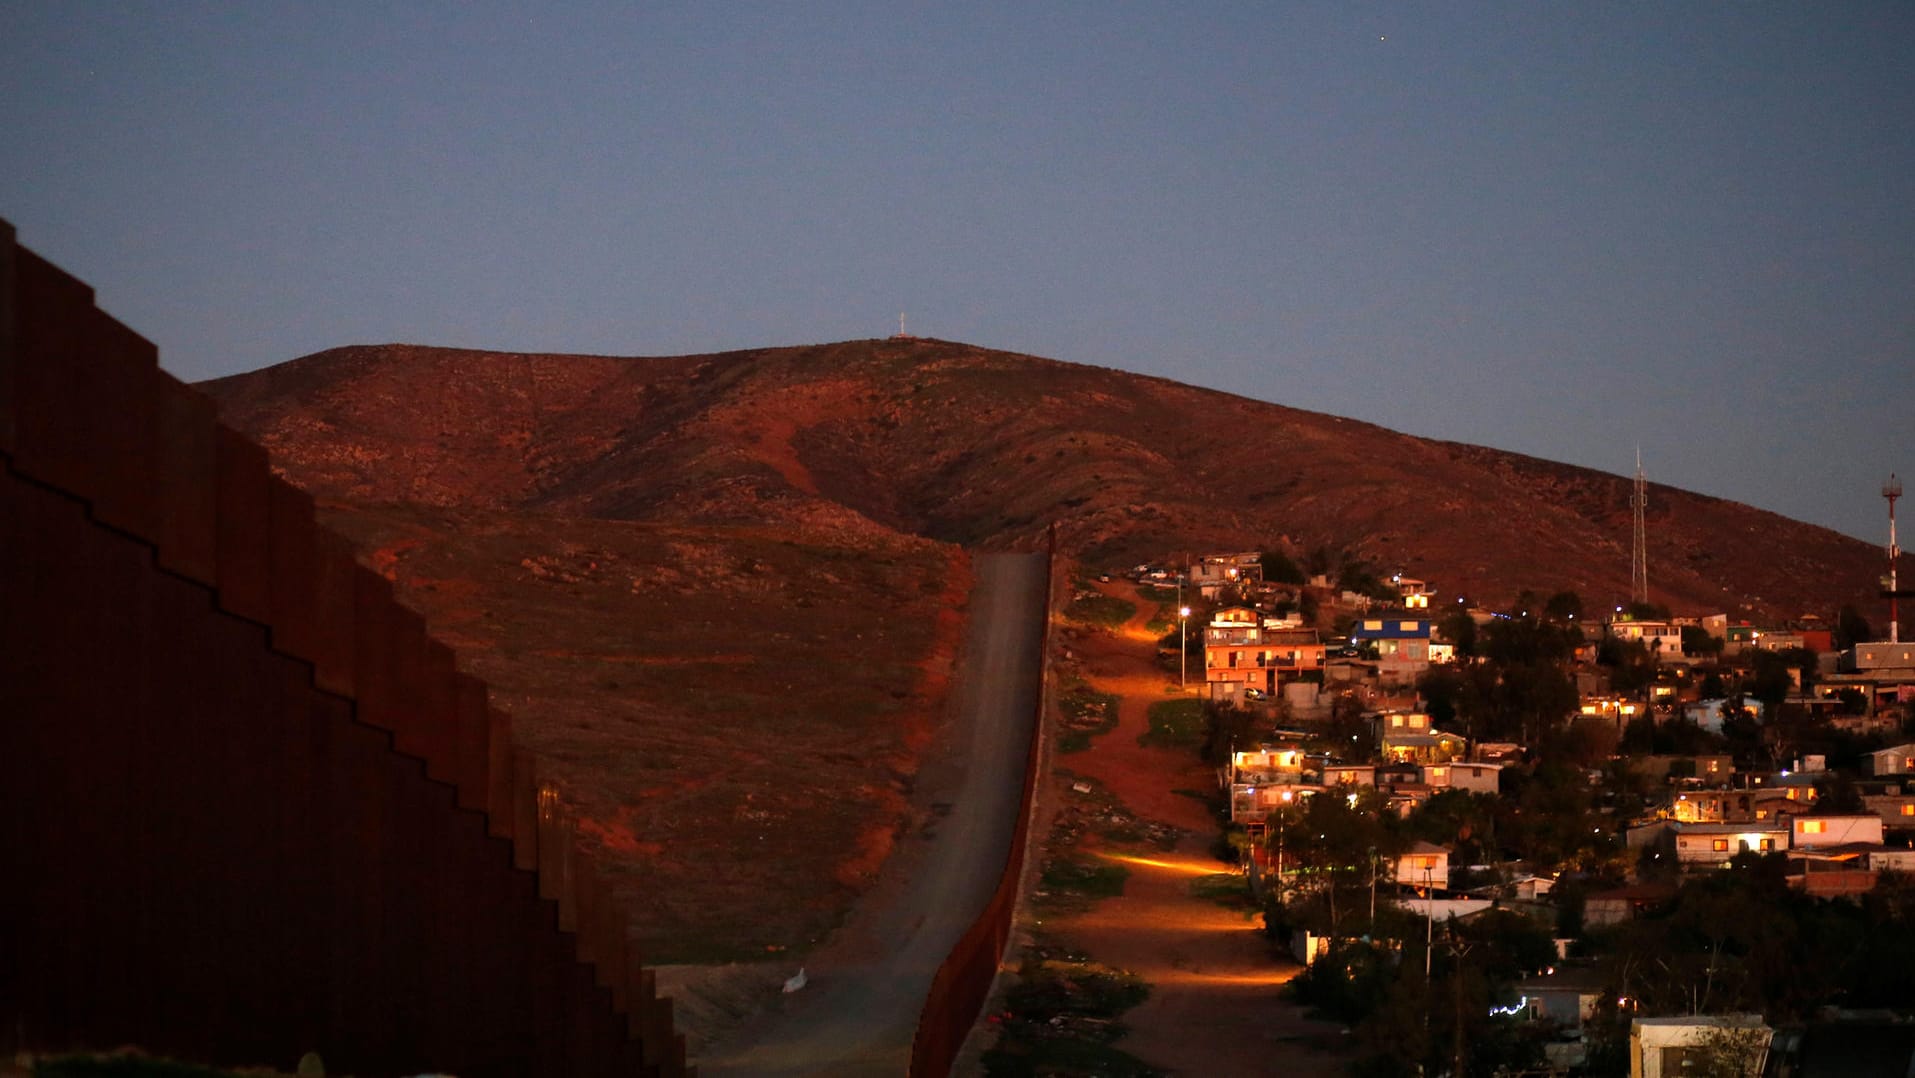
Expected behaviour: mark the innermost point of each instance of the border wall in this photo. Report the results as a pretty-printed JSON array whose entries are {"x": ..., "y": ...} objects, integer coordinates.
[
  {"x": 248, "y": 807},
  {"x": 964, "y": 980}
]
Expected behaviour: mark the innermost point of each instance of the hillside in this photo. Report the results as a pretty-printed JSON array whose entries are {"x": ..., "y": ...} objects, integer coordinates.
[
  {"x": 720, "y": 594},
  {"x": 969, "y": 446}
]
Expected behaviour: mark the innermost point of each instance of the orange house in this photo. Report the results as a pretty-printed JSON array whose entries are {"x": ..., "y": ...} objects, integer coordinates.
[{"x": 1243, "y": 651}]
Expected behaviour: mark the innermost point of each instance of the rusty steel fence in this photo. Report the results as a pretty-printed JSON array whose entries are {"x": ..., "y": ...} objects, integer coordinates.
[
  {"x": 248, "y": 807},
  {"x": 963, "y": 981}
]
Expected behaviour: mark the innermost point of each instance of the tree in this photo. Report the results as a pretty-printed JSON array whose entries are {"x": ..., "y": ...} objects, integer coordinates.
[
  {"x": 1700, "y": 642},
  {"x": 1768, "y": 679},
  {"x": 1460, "y": 630},
  {"x": 1440, "y": 687},
  {"x": 1851, "y": 628},
  {"x": 1564, "y": 606},
  {"x": 1726, "y": 1052},
  {"x": 1837, "y": 794},
  {"x": 1278, "y": 568}
]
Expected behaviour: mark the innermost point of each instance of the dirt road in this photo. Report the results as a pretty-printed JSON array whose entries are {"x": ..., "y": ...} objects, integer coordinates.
[
  {"x": 1216, "y": 1006},
  {"x": 859, "y": 1011}
]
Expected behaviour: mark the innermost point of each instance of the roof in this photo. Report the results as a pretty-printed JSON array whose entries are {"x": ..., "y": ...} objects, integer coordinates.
[
  {"x": 1840, "y": 851},
  {"x": 1714, "y": 828},
  {"x": 1418, "y": 737},
  {"x": 1636, "y": 892},
  {"x": 1290, "y": 636},
  {"x": 1566, "y": 978},
  {"x": 1392, "y": 629}
]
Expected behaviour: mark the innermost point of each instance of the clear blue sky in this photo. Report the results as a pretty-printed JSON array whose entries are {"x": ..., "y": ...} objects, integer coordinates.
[{"x": 1560, "y": 229}]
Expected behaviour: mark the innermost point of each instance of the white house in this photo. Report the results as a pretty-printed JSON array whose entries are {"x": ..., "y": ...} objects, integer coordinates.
[
  {"x": 1810, "y": 832},
  {"x": 1894, "y": 760},
  {"x": 1462, "y": 775},
  {"x": 1662, "y": 638},
  {"x": 1704, "y": 844},
  {"x": 1349, "y": 775},
  {"x": 1425, "y": 864},
  {"x": 1667, "y": 1047}
]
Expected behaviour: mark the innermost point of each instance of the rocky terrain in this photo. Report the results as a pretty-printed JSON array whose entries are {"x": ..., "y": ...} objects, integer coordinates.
[{"x": 721, "y": 592}]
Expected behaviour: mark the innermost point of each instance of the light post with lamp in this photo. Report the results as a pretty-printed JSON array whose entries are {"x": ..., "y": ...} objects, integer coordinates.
[{"x": 1183, "y": 649}]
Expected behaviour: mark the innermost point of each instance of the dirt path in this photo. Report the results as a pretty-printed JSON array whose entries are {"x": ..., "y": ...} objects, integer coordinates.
[
  {"x": 1215, "y": 1006},
  {"x": 859, "y": 1011}
]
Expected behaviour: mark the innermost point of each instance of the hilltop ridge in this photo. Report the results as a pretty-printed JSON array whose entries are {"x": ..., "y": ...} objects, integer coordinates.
[{"x": 966, "y": 445}]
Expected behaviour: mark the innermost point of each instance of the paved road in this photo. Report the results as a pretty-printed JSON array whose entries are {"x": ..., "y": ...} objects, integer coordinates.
[{"x": 858, "y": 1016}]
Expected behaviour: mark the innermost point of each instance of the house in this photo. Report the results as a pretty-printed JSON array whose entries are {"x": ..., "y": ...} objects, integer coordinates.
[
  {"x": 1348, "y": 775},
  {"x": 1709, "y": 714},
  {"x": 1415, "y": 594},
  {"x": 1810, "y": 832},
  {"x": 1497, "y": 752},
  {"x": 1251, "y": 802},
  {"x": 1408, "y": 737},
  {"x": 1833, "y": 871},
  {"x": 1211, "y": 573},
  {"x": 1614, "y": 712},
  {"x": 1662, "y": 638},
  {"x": 1244, "y": 651},
  {"x": 1270, "y": 759},
  {"x": 1424, "y": 865},
  {"x": 1402, "y": 646},
  {"x": 1669, "y": 1047},
  {"x": 1700, "y": 807},
  {"x": 1897, "y": 810},
  {"x": 1894, "y": 760},
  {"x": 1623, "y": 903},
  {"x": 1884, "y": 672},
  {"x": 1892, "y": 859},
  {"x": 1565, "y": 996},
  {"x": 1712, "y": 845},
  {"x": 1462, "y": 775},
  {"x": 1704, "y": 770}
]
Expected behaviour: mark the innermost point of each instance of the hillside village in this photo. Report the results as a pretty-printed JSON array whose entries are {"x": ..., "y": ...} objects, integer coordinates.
[{"x": 1625, "y": 834}]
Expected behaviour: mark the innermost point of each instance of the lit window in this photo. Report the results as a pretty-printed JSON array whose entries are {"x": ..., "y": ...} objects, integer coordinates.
[
  {"x": 1815, "y": 827},
  {"x": 1396, "y": 720},
  {"x": 1768, "y": 844},
  {"x": 1908, "y": 809},
  {"x": 1721, "y": 845}
]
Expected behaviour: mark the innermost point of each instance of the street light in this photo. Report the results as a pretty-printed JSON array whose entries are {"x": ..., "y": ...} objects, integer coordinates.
[{"x": 1183, "y": 648}]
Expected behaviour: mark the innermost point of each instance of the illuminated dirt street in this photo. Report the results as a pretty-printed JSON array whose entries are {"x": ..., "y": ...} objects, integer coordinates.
[{"x": 1215, "y": 1005}]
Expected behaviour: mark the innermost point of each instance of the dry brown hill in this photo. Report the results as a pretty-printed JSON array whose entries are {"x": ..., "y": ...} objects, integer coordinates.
[
  {"x": 966, "y": 445},
  {"x": 720, "y": 594}
]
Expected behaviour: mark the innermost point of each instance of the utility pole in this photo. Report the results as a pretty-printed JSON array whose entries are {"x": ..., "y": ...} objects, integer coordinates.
[
  {"x": 1183, "y": 641},
  {"x": 1373, "y": 890}
]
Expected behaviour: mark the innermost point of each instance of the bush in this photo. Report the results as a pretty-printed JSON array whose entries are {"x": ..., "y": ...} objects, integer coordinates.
[
  {"x": 1175, "y": 724},
  {"x": 1104, "y": 611}
]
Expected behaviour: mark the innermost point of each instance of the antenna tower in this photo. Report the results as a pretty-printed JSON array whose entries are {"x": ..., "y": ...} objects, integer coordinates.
[
  {"x": 1639, "y": 556},
  {"x": 1892, "y": 490}
]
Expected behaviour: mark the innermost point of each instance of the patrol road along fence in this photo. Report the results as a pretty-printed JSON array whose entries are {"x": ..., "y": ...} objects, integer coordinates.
[
  {"x": 248, "y": 807},
  {"x": 959, "y": 988}
]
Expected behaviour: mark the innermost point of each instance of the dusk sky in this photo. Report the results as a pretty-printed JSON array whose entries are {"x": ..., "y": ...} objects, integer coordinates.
[{"x": 1561, "y": 229}]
